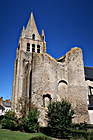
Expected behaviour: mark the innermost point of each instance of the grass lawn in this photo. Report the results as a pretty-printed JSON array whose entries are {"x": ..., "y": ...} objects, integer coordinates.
[{"x": 16, "y": 135}]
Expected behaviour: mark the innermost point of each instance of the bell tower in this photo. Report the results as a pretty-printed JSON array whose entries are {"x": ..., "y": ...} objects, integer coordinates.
[
  {"x": 30, "y": 40},
  {"x": 30, "y": 43}
]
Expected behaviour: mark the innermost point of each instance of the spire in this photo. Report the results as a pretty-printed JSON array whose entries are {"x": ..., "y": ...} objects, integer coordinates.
[
  {"x": 43, "y": 34},
  {"x": 31, "y": 27},
  {"x": 31, "y": 23},
  {"x": 23, "y": 31}
]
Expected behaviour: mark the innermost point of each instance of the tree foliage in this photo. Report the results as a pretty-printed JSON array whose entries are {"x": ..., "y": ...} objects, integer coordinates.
[
  {"x": 30, "y": 122},
  {"x": 9, "y": 121},
  {"x": 60, "y": 116},
  {"x": 27, "y": 121}
]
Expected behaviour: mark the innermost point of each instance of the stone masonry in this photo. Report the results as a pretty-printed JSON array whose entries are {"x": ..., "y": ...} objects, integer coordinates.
[{"x": 42, "y": 79}]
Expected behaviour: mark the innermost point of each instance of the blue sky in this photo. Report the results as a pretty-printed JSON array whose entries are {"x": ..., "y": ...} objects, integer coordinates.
[{"x": 67, "y": 23}]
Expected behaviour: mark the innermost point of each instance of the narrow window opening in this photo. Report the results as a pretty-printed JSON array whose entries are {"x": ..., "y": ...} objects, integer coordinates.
[
  {"x": 33, "y": 36},
  {"x": 38, "y": 48},
  {"x": 28, "y": 47},
  {"x": 33, "y": 47},
  {"x": 18, "y": 46},
  {"x": 46, "y": 100}
]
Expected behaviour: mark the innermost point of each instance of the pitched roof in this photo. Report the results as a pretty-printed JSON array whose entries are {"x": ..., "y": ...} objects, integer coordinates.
[
  {"x": 88, "y": 73},
  {"x": 6, "y": 104}
]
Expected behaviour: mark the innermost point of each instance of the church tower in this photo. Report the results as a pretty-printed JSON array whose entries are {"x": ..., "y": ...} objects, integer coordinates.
[{"x": 30, "y": 42}]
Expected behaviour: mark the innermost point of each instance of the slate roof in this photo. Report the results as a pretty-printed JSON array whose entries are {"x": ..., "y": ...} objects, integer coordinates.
[
  {"x": 88, "y": 73},
  {"x": 90, "y": 107}
]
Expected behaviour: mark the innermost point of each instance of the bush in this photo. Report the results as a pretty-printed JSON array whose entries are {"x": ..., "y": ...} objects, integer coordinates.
[
  {"x": 1, "y": 117},
  {"x": 40, "y": 138},
  {"x": 30, "y": 122},
  {"x": 60, "y": 118},
  {"x": 9, "y": 121},
  {"x": 20, "y": 125}
]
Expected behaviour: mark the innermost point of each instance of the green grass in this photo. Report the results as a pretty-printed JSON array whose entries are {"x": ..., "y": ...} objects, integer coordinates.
[{"x": 16, "y": 135}]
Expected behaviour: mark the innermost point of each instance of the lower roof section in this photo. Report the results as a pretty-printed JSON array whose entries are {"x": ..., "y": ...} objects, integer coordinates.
[{"x": 88, "y": 73}]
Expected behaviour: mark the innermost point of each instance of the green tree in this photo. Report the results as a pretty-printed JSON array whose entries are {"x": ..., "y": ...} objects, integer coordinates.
[
  {"x": 9, "y": 121},
  {"x": 30, "y": 121},
  {"x": 28, "y": 115},
  {"x": 60, "y": 116}
]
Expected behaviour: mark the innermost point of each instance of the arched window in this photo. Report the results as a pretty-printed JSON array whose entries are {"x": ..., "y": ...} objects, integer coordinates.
[
  {"x": 33, "y": 36},
  {"x": 33, "y": 47},
  {"x": 28, "y": 47},
  {"x": 62, "y": 87},
  {"x": 46, "y": 100},
  {"x": 62, "y": 81},
  {"x": 38, "y": 48}
]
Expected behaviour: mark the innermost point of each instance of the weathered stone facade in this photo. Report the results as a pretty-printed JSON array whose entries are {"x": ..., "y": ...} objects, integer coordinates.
[{"x": 43, "y": 79}]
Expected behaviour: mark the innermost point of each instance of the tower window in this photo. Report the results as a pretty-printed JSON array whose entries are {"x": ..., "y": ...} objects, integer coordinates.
[
  {"x": 33, "y": 47},
  {"x": 38, "y": 48},
  {"x": 33, "y": 36},
  {"x": 18, "y": 46},
  {"x": 28, "y": 47}
]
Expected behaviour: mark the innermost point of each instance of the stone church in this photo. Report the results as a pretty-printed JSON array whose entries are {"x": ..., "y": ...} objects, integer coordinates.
[{"x": 42, "y": 79}]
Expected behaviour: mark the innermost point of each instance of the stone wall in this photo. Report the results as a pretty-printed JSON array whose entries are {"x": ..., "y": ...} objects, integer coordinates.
[
  {"x": 60, "y": 80},
  {"x": 43, "y": 79},
  {"x": 77, "y": 88}
]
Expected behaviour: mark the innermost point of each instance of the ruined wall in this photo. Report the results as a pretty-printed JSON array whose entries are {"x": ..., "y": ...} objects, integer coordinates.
[
  {"x": 77, "y": 88},
  {"x": 60, "y": 80},
  {"x": 44, "y": 79},
  {"x": 44, "y": 82}
]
